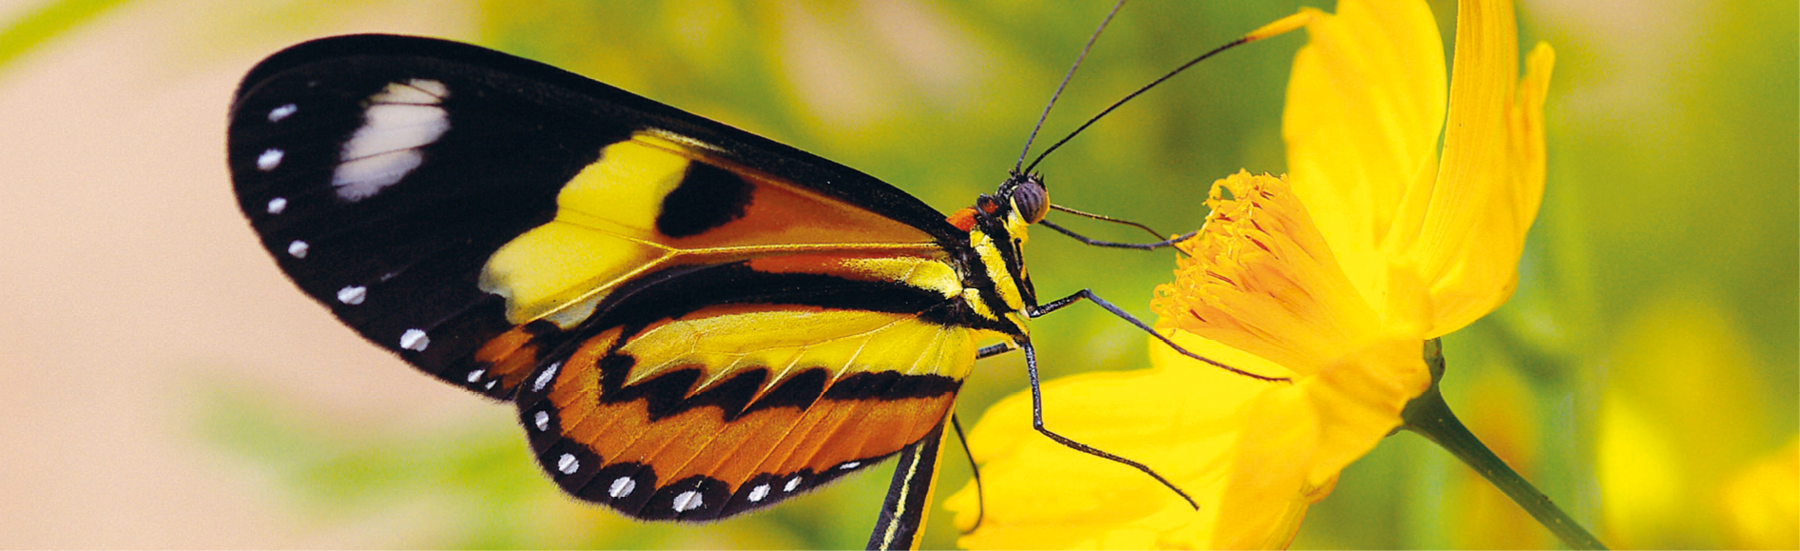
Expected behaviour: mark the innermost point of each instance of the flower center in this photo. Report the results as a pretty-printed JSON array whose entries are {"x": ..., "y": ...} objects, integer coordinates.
[{"x": 1262, "y": 279}]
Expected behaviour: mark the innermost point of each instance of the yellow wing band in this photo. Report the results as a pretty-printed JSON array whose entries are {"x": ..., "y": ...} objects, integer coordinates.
[{"x": 606, "y": 232}]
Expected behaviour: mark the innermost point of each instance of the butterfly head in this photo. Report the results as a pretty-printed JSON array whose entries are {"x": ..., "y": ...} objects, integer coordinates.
[{"x": 1021, "y": 200}]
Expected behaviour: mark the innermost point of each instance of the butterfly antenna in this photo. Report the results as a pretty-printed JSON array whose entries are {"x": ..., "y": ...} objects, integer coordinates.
[
  {"x": 1280, "y": 26},
  {"x": 1103, "y": 218},
  {"x": 1065, "y": 84}
]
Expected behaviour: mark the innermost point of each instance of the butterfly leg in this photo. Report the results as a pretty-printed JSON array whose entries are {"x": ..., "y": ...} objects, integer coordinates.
[
  {"x": 974, "y": 471},
  {"x": 995, "y": 350},
  {"x": 1037, "y": 422},
  {"x": 1055, "y": 305},
  {"x": 1098, "y": 243},
  {"x": 903, "y": 511},
  {"x": 909, "y": 495}
]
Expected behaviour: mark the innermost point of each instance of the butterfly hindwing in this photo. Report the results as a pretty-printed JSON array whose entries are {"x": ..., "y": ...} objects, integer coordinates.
[
  {"x": 462, "y": 207},
  {"x": 745, "y": 402},
  {"x": 902, "y": 517}
]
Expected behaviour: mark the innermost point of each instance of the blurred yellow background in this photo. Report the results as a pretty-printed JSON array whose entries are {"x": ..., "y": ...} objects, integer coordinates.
[{"x": 166, "y": 387}]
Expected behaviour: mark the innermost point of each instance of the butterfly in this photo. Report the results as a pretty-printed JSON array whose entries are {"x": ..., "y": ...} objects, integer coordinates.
[{"x": 691, "y": 320}]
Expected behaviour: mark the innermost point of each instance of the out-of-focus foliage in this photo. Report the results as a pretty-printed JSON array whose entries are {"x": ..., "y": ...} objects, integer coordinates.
[{"x": 1668, "y": 232}]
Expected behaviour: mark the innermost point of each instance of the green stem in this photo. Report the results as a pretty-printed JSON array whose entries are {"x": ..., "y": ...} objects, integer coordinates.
[{"x": 1430, "y": 417}]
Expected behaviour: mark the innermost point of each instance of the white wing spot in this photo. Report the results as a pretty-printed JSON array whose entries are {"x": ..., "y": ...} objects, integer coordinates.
[
  {"x": 792, "y": 483},
  {"x": 489, "y": 385},
  {"x": 414, "y": 340},
  {"x": 542, "y": 420},
  {"x": 545, "y": 377},
  {"x": 417, "y": 90},
  {"x": 399, "y": 120},
  {"x": 476, "y": 375},
  {"x": 687, "y": 501},
  {"x": 277, "y": 205},
  {"x": 850, "y": 465},
  {"x": 622, "y": 486},
  {"x": 759, "y": 492},
  {"x": 352, "y": 295},
  {"x": 567, "y": 464},
  {"x": 278, "y": 113},
  {"x": 298, "y": 249},
  {"x": 268, "y": 160}
]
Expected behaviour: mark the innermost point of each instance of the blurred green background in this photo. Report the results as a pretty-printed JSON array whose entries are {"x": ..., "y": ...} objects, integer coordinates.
[{"x": 171, "y": 390}]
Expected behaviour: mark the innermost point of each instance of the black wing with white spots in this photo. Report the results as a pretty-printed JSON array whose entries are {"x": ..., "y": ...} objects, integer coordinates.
[
  {"x": 382, "y": 173},
  {"x": 382, "y": 182}
]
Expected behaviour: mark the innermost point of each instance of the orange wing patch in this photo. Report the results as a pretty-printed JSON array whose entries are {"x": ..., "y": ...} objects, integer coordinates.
[
  {"x": 712, "y": 434},
  {"x": 504, "y": 361}
]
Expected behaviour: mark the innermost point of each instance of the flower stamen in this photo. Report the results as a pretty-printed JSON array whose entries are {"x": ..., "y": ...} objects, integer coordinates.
[{"x": 1261, "y": 279}]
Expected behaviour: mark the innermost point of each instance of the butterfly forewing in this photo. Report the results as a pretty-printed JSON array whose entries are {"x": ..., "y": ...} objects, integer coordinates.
[
  {"x": 383, "y": 183},
  {"x": 383, "y": 173}
]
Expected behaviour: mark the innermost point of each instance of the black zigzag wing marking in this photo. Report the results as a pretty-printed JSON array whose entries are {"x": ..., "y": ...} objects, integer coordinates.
[{"x": 644, "y": 490}]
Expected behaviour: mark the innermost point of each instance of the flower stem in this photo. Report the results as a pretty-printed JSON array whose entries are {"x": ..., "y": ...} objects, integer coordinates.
[{"x": 1430, "y": 417}]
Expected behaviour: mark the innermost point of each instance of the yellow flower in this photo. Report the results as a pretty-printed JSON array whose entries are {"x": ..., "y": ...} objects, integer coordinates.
[
  {"x": 1670, "y": 472},
  {"x": 1761, "y": 506},
  {"x": 1334, "y": 281}
]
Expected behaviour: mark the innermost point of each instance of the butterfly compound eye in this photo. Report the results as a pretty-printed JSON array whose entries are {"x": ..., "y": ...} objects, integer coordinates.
[{"x": 1031, "y": 199}]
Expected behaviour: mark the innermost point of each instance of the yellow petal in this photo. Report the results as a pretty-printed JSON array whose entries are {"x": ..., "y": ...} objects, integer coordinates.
[
  {"x": 1526, "y": 132},
  {"x": 1365, "y": 104},
  {"x": 1482, "y": 273},
  {"x": 1041, "y": 495},
  {"x": 1293, "y": 440},
  {"x": 1436, "y": 215},
  {"x": 1466, "y": 228},
  {"x": 1762, "y": 505}
]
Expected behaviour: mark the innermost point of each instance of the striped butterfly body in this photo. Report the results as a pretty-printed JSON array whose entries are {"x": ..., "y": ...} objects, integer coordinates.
[{"x": 692, "y": 321}]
